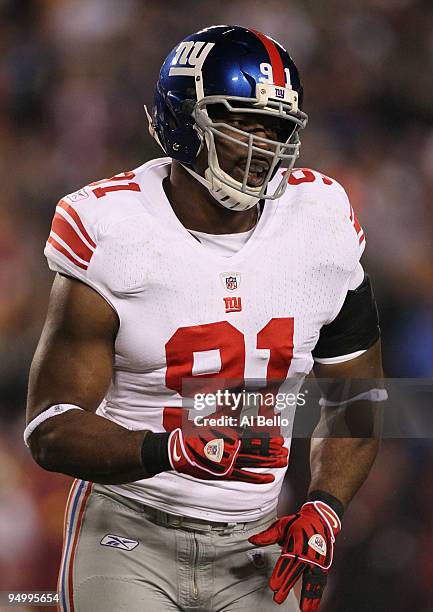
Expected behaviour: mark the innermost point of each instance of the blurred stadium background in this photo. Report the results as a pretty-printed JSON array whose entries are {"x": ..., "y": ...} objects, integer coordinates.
[{"x": 74, "y": 75}]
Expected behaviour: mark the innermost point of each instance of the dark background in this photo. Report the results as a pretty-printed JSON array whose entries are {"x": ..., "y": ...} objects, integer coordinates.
[{"x": 74, "y": 75}]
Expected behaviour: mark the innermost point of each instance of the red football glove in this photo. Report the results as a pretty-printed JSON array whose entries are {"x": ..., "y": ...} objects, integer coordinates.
[
  {"x": 215, "y": 453},
  {"x": 307, "y": 540}
]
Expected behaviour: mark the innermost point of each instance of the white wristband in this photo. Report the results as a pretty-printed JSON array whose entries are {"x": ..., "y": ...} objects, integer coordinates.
[
  {"x": 47, "y": 414},
  {"x": 373, "y": 395}
]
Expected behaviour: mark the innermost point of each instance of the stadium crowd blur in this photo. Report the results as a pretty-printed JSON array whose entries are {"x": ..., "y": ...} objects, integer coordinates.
[{"x": 74, "y": 75}]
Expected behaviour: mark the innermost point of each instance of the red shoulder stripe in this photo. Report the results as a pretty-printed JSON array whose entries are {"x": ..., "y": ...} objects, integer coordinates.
[
  {"x": 77, "y": 220},
  {"x": 357, "y": 225},
  {"x": 68, "y": 234},
  {"x": 66, "y": 253},
  {"x": 275, "y": 57}
]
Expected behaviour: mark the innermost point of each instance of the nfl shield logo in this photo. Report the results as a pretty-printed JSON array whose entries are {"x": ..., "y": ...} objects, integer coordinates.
[{"x": 231, "y": 281}]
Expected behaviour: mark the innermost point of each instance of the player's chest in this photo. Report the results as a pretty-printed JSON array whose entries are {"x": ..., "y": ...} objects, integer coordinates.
[{"x": 232, "y": 314}]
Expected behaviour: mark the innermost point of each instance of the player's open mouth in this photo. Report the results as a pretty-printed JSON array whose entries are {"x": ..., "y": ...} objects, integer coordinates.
[{"x": 258, "y": 171}]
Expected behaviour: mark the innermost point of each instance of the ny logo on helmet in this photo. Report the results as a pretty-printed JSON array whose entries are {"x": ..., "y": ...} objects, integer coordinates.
[{"x": 189, "y": 58}]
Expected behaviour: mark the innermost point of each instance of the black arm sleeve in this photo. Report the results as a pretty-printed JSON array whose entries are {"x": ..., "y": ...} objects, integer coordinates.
[{"x": 355, "y": 328}]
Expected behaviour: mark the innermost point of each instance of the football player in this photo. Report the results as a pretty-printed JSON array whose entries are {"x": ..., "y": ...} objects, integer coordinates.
[{"x": 219, "y": 261}]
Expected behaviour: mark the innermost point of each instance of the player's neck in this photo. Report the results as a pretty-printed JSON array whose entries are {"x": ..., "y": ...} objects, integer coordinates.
[{"x": 197, "y": 210}]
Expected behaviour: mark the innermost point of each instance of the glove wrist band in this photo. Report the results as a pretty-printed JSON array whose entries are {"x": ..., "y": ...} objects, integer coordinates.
[
  {"x": 154, "y": 453},
  {"x": 327, "y": 498}
]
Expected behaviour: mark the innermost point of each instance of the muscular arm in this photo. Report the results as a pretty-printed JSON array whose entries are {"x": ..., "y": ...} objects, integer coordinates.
[
  {"x": 340, "y": 464},
  {"x": 73, "y": 364}
]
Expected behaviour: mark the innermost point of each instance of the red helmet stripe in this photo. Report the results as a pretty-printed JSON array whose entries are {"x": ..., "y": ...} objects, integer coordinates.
[{"x": 274, "y": 56}]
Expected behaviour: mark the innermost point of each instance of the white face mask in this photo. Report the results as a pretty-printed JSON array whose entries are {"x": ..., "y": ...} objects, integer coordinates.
[{"x": 229, "y": 192}]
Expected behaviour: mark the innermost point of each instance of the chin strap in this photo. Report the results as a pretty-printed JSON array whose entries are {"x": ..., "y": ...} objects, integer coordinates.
[{"x": 229, "y": 197}]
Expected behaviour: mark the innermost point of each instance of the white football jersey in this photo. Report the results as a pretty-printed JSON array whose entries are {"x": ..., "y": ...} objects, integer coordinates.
[{"x": 185, "y": 310}]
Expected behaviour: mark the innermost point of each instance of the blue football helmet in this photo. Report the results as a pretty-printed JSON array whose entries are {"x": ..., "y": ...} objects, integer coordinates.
[{"x": 241, "y": 71}]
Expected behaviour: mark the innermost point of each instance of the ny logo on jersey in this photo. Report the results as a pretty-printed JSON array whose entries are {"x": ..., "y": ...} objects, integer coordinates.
[
  {"x": 189, "y": 58},
  {"x": 233, "y": 304}
]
